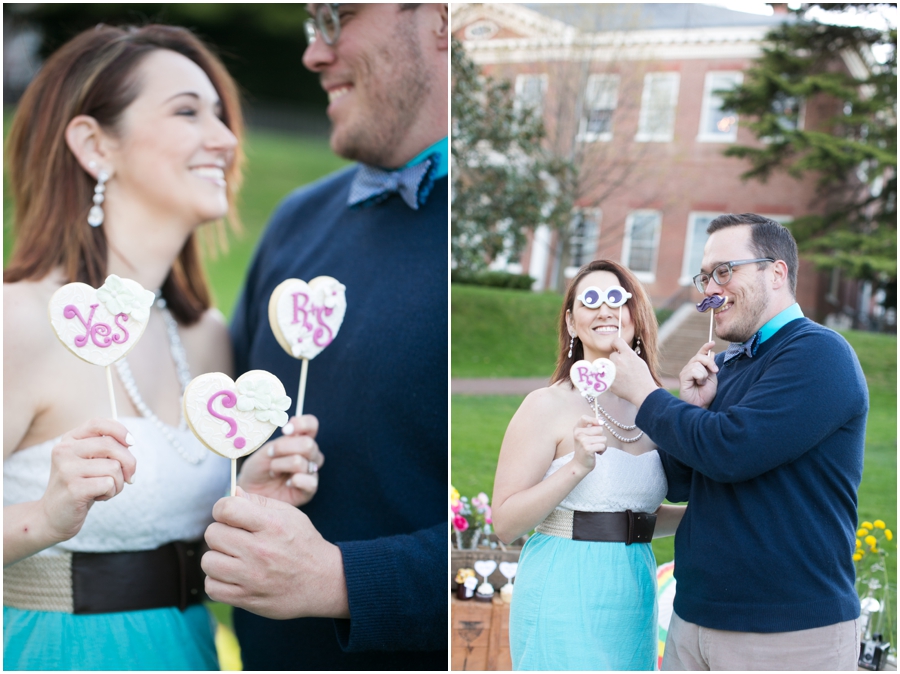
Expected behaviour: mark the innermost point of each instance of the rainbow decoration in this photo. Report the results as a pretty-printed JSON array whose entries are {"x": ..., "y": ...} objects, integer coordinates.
[{"x": 665, "y": 595}]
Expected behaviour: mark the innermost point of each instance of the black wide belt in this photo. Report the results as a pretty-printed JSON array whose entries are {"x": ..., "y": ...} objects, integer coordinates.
[
  {"x": 620, "y": 527},
  {"x": 132, "y": 581}
]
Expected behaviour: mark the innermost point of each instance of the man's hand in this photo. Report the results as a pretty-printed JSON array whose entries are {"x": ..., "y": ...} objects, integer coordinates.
[
  {"x": 698, "y": 378},
  {"x": 633, "y": 380},
  {"x": 286, "y": 469},
  {"x": 266, "y": 557}
]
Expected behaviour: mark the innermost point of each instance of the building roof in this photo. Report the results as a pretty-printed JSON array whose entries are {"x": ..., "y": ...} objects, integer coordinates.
[{"x": 600, "y": 17}]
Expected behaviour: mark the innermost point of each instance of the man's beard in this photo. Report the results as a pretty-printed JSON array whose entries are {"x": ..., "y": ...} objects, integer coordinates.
[
  {"x": 752, "y": 307},
  {"x": 394, "y": 103}
]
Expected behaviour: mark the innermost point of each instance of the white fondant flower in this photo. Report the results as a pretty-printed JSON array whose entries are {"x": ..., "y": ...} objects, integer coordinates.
[
  {"x": 265, "y": 399},
  {"x": 124, "y": 296},
  {"x": 333, "y": 294}
]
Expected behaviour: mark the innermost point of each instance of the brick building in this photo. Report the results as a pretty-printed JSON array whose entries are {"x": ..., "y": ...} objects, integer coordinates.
[{"x": 629, "y": 90}]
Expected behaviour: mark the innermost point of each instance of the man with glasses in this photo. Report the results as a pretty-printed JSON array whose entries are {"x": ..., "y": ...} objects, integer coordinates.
[
  {"x": 357, "y": 579},
  {"x": 766, "y": 446}
]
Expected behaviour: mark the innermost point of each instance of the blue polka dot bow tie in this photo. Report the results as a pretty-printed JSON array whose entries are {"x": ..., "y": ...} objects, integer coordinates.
[
  {"x": 748, "y": 348},
  {"x": 372, "y": 185}
]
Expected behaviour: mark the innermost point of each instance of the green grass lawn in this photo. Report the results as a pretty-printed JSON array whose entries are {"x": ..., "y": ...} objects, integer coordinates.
[
  {"x": 478, "y": 423},
  {"x": 502, "y": 333}
]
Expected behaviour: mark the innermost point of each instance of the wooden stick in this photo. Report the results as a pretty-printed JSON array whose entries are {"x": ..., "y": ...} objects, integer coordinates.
[
  {"x": 301, "y": 394},
  {"x": 712, "y": 315},
  {"x": 112, "y": 398},
  {"x": 233, "y": 476},
  {"x": 620, "y": 321}
]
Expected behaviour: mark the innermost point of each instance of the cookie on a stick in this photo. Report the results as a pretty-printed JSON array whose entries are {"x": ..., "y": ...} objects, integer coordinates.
[
  {"x": 593, "y": 379},
  {"x": 100, "y": 326},
  {"x": 305, "y": 318},
  {"x": 235, "y": 418}
]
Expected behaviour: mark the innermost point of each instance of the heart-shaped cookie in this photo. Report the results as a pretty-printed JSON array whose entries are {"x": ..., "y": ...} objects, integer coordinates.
[
  {"x": 234, "y": 418},
  {"x": 508, "y": 569},
  {"x": 306, "y": 317},
  {"x": 592, "y": 379},
  {"x": 485, "y": 567},
  {"x": 102, "y": 325}
]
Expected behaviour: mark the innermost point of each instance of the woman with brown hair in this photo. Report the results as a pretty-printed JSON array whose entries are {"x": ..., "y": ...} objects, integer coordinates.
[
  {"x": 591, "y": 484},
  {"x": 123, "y": 145}
]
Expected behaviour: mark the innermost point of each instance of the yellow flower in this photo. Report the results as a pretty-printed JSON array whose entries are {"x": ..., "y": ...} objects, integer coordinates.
[
  {"x": 858, "y": 543},
  {"x": 879, "y": 524},
  {"x": 862, "y": 532},
  {"x": 454, "y": 495},
  {"x": 867, "y": 524},
  {"x": 871, "y": 540},
  {"x": 858, "y": 556},
  {"x": 873, "y": 548},
  {"x": 888, "y": 535}
]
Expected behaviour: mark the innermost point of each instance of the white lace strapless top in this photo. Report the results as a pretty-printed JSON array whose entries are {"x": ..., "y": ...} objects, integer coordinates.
[
  {"x": 620, "y": 481},
  {"x": 170, "y": 499}
]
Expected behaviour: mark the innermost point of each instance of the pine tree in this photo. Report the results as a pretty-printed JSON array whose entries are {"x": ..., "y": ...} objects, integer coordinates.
[{"x": 854, "y": 156}]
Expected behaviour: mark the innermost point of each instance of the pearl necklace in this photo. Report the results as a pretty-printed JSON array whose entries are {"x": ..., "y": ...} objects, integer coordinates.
[
  {"x": 604, "y": 422},
  {"x": 184, "y": 378}
]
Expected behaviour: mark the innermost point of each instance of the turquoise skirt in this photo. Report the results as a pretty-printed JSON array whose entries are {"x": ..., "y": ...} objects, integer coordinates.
[
  {"x": 584, "y": 605},
  {"x": 159, "y": 639}
]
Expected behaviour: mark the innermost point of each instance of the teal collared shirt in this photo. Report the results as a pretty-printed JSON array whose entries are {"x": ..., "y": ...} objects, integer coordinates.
[
  {"x": 792, "y": 313},
  {"x": 442, "y": 148}
]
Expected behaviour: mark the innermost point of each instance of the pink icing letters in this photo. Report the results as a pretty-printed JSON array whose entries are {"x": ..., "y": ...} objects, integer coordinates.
[
  {"x": 228, "y": 400},
  {"x": 322, "y": 335},
  {"x": 99, "y": 333},
  {"x": 592, "y": 379}
]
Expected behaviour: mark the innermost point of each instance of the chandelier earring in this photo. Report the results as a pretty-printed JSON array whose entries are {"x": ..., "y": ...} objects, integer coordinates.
[
  {"x": 637, "y": 346},
  {"x": 571, "y": 343},
  {"x": 96, "y": 215}
]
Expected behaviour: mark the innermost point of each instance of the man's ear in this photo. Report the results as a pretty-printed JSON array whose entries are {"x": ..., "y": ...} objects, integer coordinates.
[
  {"x": 88, "y": 143},
  {"x": 441, "y": 26},
  {"x": 779, "y": 274}
]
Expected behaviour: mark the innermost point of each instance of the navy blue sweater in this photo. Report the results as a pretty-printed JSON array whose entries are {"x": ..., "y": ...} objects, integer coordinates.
[
  {"x": 380, "y": 394},
  {"x": 771, "y": 472}
]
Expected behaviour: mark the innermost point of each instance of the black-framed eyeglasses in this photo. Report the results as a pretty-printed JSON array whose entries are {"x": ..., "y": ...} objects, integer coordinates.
[
  {"x": 722, "y": 273},
  {"x": 327, "y": 23}
]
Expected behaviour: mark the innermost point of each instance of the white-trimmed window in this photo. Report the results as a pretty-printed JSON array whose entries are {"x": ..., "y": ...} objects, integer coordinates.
[
  {"x": 585, "y": 232},
  {"x": 694, "y": 242},
  {"x": 600, "y": 99},
  {"x": 659, "y": 100},
  {"x": 530, "y": 91},
  {"x": 718, "y": 125},
  {"x": 641, "y": 245}
]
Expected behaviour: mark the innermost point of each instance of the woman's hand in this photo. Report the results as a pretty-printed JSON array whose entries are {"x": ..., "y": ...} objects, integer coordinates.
[
  {"x": 286, "y": 469},
  {"x": 589, "y": 442},
  {"x": 91, "y": 463}
]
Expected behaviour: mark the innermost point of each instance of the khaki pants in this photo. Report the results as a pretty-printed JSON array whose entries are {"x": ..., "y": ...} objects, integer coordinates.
[{"x": 690, "y": 647}]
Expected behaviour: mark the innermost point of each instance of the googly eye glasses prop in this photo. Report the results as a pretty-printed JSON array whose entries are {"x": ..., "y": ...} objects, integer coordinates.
[{"x": 614, "y": 297}]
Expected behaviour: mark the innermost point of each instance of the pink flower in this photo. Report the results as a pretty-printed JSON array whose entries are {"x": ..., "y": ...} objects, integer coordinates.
[
  {"x": 456, "y": 507},
  {"x": 481, "y": 501},
  {"x": 488, "y": 514},
  {"x": 460, "y": 523}
]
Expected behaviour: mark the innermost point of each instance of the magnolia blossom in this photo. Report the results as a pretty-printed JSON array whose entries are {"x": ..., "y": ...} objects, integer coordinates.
[
  {"x": 264, "y": 398},
  {"x": 124, "y": 296},
  {"x": 460, "y": 523}
]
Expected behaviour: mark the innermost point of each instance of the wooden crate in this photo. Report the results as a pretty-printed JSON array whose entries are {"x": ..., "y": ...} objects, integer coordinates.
[{"x": 480, "y": 635}]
